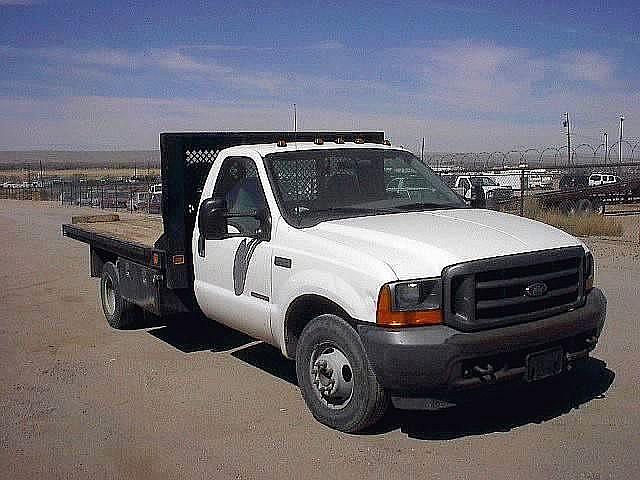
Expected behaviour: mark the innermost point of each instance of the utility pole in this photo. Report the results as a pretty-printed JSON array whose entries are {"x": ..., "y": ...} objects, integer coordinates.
[
  {"x": 41, "y": 172},
  {"x": 606, "y": 146},
  {"x": 422, "y": 151},
  {"x": 566, "y": 124},
  {"x": 295, "y": 119},
  {"x": 620, "y": 139}
]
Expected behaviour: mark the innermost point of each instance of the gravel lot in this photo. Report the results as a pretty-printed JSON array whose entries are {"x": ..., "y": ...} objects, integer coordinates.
[{"x": 196, "y": 400}]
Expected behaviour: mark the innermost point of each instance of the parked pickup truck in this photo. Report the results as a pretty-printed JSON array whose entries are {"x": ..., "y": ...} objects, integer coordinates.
[
  {"x": 297, "y": 240},
  {"x": 490, "y": 189}
]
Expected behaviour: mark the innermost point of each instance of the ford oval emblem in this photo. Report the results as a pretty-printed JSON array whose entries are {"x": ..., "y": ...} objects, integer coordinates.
[{"x": 537, "y": 289}]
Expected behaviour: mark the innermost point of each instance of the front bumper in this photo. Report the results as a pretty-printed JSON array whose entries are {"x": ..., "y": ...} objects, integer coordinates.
[{"x": 439, "y": 361}]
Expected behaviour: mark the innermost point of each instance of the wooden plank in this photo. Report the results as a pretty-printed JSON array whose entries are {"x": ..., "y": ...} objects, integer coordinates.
[
  {"x": 108, "y": 217},
  {"x": 144, "y": 231}
]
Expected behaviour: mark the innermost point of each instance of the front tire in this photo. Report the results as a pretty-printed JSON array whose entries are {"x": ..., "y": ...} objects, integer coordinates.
[
  {"x": 335, "y": 378},
  {"x": 120, "y": 313}
]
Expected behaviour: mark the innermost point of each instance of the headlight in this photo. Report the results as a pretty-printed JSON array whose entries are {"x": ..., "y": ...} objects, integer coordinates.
[
  {"x": 416, "y": 302},
  {"x": 588, "y": 271}
]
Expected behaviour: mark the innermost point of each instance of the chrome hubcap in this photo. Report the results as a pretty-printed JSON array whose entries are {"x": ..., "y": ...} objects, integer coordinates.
[{"x": 332, "y": 376}]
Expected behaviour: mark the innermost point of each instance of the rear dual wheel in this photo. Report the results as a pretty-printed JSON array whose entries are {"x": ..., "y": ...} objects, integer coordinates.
[
  {"x": 335, "y": 378},
  {"x": 120, "y": 313}
]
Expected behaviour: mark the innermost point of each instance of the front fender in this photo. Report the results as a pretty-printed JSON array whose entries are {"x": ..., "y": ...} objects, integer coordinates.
[{"x": 357, "y": 299}]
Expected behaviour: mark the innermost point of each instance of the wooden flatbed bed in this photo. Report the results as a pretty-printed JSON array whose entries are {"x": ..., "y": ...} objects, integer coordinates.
[{"x": 132, "y": 237}]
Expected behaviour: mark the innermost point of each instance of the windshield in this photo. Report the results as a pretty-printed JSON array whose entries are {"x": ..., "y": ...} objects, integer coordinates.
[
  {"x": 312, "y": 186},
  {"x": 483, "y": 181}
]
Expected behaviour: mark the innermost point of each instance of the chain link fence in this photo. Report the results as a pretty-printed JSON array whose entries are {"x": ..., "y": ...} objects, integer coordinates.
[
  {"x": 524, "y": 181},
  {"x": 136, "y": 195}
]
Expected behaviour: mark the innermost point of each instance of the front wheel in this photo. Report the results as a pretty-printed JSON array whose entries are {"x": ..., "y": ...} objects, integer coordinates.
[{"x": 336, "y": 380}]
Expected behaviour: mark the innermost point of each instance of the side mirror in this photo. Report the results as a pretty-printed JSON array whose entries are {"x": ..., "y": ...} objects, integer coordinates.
[{"x": 212, "y": 218}]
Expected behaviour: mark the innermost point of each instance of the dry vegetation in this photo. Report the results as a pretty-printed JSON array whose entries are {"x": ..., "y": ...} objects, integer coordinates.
[
  {"x": 584, "y": 225},
  {"x": 20, "y": 175}
]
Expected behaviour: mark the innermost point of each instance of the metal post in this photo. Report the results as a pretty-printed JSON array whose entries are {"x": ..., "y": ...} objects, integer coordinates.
[
  {"x": 295, "y": 118},
  {"x": 620, "y": 144},
  {"x": 620, "y": 140},
  {"x": 566, "y": 124},
  {"x": 522, "y": 192}
]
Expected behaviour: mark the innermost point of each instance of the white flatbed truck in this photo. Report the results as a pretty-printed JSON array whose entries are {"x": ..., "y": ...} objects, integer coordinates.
[{"x": 295, "y": 239}]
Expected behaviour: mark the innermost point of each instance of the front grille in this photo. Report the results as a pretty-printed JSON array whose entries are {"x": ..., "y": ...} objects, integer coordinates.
[{"x": 513, "y": 289}]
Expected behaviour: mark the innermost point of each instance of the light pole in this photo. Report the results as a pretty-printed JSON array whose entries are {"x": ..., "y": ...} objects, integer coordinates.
[
  {"x": 606, "y": 146},
  {"x": 566, "y": 124},
  {"x": 620, "y": 139}
]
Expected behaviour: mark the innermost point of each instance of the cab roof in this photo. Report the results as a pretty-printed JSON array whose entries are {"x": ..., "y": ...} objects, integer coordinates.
[{"x": 264, "y": 149}]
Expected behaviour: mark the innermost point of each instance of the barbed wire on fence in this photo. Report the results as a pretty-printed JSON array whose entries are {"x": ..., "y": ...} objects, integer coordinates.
[
  {"x": 550, "y": 156},
  {"x": 523, "y": 170}
]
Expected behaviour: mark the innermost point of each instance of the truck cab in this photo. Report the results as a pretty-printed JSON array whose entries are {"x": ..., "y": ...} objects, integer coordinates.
[
  {"x": 491, "y": 188},
  {"x": 305, "y": 241}
]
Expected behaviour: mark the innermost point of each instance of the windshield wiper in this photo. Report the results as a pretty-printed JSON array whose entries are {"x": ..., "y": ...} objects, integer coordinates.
[
  {"x": 423, "y": 205},
  {"x": 347, "y": 209}
]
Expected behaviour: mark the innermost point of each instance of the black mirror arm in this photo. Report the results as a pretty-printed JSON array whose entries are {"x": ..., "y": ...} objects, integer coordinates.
[{"x": 250, "y": 213}]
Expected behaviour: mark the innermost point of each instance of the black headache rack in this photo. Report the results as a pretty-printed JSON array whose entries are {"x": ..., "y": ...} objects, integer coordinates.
[{"x": 186, "y": 159}]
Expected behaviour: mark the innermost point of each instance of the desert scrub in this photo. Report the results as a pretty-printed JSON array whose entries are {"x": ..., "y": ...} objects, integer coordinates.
[{"x": 581, "y": 225}]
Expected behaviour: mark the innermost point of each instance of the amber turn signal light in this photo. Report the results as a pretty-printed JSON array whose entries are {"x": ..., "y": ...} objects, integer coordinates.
[{"x": 385, "y": 316}]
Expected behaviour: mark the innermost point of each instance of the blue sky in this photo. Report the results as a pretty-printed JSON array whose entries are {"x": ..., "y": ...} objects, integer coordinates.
[{"x": 469, "y": 76}]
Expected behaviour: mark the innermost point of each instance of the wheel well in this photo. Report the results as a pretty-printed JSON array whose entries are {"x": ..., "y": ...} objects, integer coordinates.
[
  {"x": 99, "y": 258},
  {"x": 304, "y": 309}
]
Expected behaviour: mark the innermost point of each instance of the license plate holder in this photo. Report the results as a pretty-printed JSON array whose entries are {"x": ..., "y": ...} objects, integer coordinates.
[{"x": 546, "y": 363}]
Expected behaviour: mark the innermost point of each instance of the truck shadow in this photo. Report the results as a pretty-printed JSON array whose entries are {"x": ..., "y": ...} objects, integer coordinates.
[
  {"x": 268, "y": 359},
  {"x": 506, "y": 408},
  {"x": 192, "y": 333},
  {"x": 499, "y": 410}
]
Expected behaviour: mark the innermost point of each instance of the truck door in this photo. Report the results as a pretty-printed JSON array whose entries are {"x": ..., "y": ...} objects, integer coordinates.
[{"x": 233, "y": 275}]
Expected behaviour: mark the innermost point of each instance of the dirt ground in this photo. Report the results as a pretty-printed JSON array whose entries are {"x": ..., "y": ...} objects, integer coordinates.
[{"x": 196, "y": 400}]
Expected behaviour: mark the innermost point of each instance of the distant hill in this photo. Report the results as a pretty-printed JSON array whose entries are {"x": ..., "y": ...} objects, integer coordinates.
[{"x": 74, "y": 159}]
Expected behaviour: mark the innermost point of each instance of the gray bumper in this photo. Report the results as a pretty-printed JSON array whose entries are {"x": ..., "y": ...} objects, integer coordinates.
[{"x": 438, "y": 360}]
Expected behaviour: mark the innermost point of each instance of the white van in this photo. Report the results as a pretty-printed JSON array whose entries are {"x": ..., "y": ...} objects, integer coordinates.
[{"x": 596, "y": 179}]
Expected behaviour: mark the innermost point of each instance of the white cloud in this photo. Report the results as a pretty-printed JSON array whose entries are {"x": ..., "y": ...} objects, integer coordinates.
[
  {"x": 134, "y": 123},
  {"x": 19, "y": 2},
  {"x": 462, "y": 95}
]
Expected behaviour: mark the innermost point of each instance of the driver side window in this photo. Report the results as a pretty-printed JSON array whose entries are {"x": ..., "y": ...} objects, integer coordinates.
[{"x": 238, "y": 183}]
